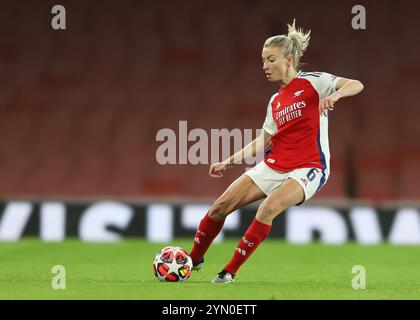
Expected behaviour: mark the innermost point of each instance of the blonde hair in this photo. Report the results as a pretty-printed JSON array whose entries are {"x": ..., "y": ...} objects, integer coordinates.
[{"x": 295, "y": 43}]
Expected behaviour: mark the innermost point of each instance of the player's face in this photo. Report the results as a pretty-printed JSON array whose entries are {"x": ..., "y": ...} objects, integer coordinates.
[{"x": 275, "y": 64}]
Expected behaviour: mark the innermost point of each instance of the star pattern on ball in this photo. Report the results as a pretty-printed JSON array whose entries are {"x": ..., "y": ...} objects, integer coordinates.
[{"x": 174, "y": 266}]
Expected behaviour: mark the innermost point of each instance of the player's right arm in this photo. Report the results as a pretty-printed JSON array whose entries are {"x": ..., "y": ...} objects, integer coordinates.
[{"x": 256, "y": 146}]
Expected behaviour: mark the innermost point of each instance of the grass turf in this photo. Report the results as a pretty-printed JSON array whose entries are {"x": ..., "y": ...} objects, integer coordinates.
[{"x": 277, "y": 270}]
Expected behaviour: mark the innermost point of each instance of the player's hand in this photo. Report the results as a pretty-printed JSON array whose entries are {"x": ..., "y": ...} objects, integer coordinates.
[
  {"x": 217, "y": 169},
  {"x": 328, "y": 103}
]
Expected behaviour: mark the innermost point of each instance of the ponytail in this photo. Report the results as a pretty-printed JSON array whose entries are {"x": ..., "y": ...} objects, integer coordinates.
[{"x": 295, "y": 43}]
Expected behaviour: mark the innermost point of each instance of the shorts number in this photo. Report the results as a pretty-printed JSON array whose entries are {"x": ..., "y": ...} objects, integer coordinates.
[{"x": 311, "y": 174}]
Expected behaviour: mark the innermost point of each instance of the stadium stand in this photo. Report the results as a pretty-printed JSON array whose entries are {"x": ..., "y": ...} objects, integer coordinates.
[{"x": 81, "y": 108}]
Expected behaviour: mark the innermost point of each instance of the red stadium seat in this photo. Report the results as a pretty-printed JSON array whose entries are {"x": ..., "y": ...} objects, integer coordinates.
[
  {"x": 81, "y": 109},
  {"x": 375, "y": 173},
  {"x": 408, "y": 173}
]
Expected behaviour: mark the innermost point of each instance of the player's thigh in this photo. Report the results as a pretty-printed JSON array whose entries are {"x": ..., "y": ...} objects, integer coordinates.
[
  {"x": 240, "y": 193},
  {"x": 290, "y": 193}
]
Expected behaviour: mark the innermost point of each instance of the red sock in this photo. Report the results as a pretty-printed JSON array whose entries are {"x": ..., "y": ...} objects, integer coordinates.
[
  {"x": 207, "y": 230},
  {"x": 255, "y": 234}
]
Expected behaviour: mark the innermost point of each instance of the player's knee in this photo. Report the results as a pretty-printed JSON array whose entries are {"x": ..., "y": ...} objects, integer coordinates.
[{"x": 268, "y": 211}]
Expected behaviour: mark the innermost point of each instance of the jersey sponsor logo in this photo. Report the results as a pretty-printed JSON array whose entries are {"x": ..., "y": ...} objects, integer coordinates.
[
  {"x": 291, "y": 108},
  {"x": 290, "y": 112},
  {"x": 298, "y": 93}
]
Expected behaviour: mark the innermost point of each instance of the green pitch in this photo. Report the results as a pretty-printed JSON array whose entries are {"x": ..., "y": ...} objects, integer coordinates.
[{"x": 275, "y": 271}]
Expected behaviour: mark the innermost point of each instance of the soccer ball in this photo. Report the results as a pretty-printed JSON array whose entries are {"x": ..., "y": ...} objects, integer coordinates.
[{"x": 172, "y": 264}]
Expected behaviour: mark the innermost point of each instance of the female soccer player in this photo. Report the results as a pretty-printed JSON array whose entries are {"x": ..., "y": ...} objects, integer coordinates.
[{"x": 297, "y": 164}]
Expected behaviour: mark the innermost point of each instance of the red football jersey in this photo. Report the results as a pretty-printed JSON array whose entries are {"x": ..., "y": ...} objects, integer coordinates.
[{"x": 300, "y": 134}]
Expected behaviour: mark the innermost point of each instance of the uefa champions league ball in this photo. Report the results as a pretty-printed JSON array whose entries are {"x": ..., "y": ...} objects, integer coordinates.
[{"x": 172, "y": 264}]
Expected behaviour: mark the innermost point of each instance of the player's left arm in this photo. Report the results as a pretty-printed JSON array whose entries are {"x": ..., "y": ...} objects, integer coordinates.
[{"x": 344, "y": 88}]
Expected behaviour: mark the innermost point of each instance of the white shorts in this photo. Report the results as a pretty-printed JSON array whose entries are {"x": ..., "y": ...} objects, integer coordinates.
[{"x": 268, "y": 180}]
